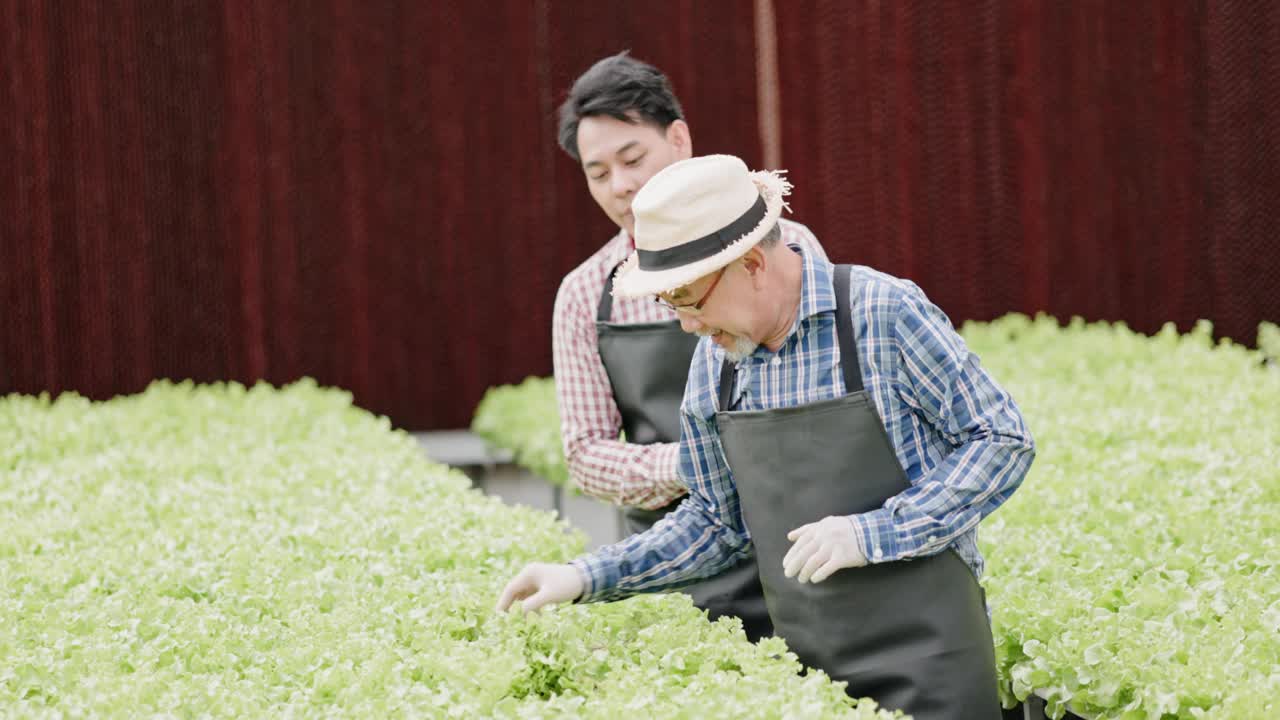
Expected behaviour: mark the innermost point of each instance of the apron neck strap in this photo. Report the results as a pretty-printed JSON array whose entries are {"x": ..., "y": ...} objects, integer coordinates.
[
  {"x": 605, "y": 310},
  {"x": 849, "y": 363},
  {"x": 727, "y": 371},
  {"x": 844, "y": 331}
]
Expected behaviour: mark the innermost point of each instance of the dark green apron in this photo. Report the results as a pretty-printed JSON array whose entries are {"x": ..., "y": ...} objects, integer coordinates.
[
  {"x": 911, "y": 634},
  {"x": 648, "y": 366}
]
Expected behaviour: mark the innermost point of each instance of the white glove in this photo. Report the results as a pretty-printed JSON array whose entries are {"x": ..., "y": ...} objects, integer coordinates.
[
  {"x": 823, "y": 547},
  {"x": 541, "y": 584}
]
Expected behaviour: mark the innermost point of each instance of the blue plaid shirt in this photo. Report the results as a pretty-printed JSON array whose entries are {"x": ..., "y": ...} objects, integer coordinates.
[{"x": 958, "y": 435}]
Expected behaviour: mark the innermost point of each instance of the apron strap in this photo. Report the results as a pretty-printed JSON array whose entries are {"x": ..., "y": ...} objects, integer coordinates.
[
  {"x": 727, "y": 372},
  {"x": 605, "y": 310},
  {"x": 844, "y": 332}
]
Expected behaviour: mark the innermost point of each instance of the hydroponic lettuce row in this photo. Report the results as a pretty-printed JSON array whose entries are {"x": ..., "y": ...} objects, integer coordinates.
[
  {"x": 216, "y": 551},
  {"x": 525, "y": 420},
  {"x": 1136, "y": 573},
  {"x": 1269, "y": 341}
]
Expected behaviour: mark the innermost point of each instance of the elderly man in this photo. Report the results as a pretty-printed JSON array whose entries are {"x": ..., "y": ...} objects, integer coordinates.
[
  {"x": 621, "y": 364},
  {"x": 836, "y": 428}
]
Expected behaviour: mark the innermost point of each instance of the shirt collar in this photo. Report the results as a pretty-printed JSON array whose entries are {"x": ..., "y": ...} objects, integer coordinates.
[{"x": 816, "y": 291}]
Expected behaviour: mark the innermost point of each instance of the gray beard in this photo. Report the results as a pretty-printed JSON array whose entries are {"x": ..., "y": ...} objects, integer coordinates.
[{"x": 742, "y": 347}]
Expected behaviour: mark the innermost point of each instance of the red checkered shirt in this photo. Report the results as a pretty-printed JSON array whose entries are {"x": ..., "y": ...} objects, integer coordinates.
[{"x": 644, "y": 476}]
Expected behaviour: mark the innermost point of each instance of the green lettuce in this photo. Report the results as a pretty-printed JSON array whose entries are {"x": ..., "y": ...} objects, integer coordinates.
[
  {"x": 1269, "y": 341},
  {"x": 228, "y": 552},
  {"x": 1136, "y": 572},
  {"x": 525, "y": 420}
]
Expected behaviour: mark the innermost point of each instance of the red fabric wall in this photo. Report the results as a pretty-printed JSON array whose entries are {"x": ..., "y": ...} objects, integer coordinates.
[
  {"x": 370, "y": 193},
  {"x": 1111, "y": 160}
]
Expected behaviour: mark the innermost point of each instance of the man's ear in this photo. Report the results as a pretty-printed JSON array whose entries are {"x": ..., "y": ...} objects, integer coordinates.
[
  {"x": 679, "y": 137},
  {"x": 754, "y": 261}
]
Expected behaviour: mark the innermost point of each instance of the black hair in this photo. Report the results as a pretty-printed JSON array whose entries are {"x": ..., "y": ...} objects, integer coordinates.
[{"x": 622, "y": 88}]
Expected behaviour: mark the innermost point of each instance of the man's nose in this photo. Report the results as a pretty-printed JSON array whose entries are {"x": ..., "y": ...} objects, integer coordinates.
[
  {"x": 624, "y": 183},
  {"x": 689, "y": 323}
]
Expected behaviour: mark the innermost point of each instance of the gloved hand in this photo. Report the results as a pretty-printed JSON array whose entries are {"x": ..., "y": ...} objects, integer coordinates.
[
  {"x": 823, "y": 547},
  {"x": 541, "y": 584}
]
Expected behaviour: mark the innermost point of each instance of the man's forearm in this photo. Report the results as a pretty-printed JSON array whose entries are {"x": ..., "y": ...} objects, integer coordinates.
[
  {"x": 643, "y": 476},
  {"x": 969, "y": 484},
  {"x": 685, "y": 547}
]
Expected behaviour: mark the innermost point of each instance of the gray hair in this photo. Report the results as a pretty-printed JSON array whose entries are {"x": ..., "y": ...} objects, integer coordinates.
[{"x": 772, "y": 237}]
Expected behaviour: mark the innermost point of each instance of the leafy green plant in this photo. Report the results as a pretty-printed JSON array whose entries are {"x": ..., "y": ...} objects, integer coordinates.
[
  {"x": 1269, "y": 341},
  {"x": 221, "y": 551},
  {"x": 525, "y": 420},
  {"x": 1136, "y": 573}
]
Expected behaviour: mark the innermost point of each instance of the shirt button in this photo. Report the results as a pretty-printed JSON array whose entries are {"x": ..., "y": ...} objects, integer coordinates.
[
  {"x": 777, "y": 361},
  {"x": 879, "y": 553}
]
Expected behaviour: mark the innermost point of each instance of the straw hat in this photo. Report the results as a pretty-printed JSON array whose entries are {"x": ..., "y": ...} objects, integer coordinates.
[{"x": 693, "y": 218}]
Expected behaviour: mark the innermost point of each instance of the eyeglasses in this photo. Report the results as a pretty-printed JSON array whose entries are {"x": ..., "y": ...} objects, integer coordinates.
[{"x": 693, "y": 308}]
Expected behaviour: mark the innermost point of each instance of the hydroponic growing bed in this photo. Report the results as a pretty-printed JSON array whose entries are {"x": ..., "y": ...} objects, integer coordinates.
[{"x": 217, "y": 551}]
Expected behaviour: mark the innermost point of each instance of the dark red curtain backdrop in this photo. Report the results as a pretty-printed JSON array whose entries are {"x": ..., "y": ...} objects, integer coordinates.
[
  {"x": 1114, "y": 160},
  {"x": 369, "y": 193}
]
